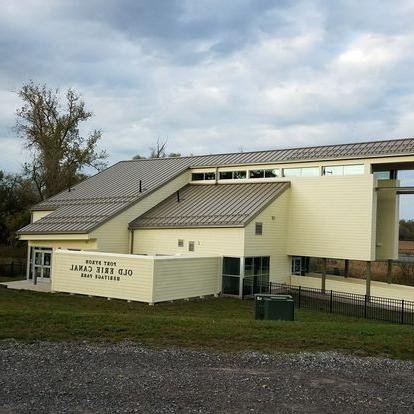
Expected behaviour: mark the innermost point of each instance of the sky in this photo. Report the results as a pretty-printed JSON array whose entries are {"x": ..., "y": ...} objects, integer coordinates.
[{"x": 214, "y": 76}]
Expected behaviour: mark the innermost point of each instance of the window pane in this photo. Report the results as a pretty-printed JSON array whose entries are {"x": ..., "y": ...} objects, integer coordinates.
[
  {"x": 191, "y": 246},
  {"x": 272, "y": 173},
  {"x": 256, "y": 173},
  {"x": 197, "y": 176},
  {"x": 180, "y": 243},
  {"x": 334, "y": 170},
  {"x": 257, "y": 265},
  {"x": 265, "y": 264},
  {"x": 238, "y": 175},
  {"x": 248, "y": 266},
  {"x": 291, "y": 172},
  {"x": 226, "y": 175},
  {"x": 310, "y": 171},
  {"x": 231, "y": 285},
  {"x": 354, "y": 169},
  {"x": 231, "y": 265},
  {"x": 210, "y": 176},
  {"x": 382, "y": 175},
  {"x": 38, "y": 258},
  {"x": 259, "y": 229},
  {"x": 46, "y": 259}
]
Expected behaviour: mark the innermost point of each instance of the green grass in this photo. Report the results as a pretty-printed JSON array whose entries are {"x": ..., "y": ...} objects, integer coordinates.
[{"x": 221, "y": 324}]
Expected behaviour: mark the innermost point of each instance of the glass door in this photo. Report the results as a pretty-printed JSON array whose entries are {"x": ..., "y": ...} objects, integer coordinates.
[{"x": 42, "y": 264}]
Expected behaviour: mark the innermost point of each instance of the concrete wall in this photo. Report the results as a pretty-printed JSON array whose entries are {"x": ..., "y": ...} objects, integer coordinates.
[
  {"x": 332, "y": 217},
  {"x": 273, "y": 241},
  {"x": 139, "y": 278}
]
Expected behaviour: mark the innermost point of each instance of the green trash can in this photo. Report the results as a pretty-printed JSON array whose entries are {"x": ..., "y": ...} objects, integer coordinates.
[{"x": 274, "y": 307}]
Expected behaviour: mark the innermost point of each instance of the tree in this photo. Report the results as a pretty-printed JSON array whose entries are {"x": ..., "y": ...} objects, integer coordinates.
[
  {"x": 50, "y": 129},
  {"x": 158, "y": 151},
  {"x": 17, "y": 194}
]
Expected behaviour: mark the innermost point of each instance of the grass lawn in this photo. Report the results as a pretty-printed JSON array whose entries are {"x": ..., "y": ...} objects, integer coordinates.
[{"x": 221, "y": 324}]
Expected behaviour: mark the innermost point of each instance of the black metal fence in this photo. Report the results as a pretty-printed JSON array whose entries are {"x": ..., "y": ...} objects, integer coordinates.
[
  {"x": 351, "y": 304},
  {"x": 13, "y": 269}
]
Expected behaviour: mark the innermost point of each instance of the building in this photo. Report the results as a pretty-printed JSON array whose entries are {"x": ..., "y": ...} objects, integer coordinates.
[{"x": 260, "y": 215}]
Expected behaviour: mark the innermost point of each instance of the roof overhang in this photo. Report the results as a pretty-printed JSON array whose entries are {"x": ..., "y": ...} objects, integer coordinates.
[{"x": 53, "y": 236}]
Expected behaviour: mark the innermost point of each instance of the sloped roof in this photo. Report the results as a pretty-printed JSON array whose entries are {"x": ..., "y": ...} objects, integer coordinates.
[
  {"x": 116, "y": 188},
  {"x": 211, "y": 205}
]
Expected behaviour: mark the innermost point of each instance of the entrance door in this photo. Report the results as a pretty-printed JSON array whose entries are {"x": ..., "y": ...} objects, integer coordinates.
[{"x": 42, "y": 264}]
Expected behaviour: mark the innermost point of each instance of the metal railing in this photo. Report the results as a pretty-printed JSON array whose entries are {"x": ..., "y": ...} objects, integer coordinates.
[
  {"x": 351, "y": 304},
  {"x": 13, "y": 269}
]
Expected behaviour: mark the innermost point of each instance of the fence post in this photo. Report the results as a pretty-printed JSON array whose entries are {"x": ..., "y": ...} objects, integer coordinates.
[
  {"x": 402, "y": 311},
  {"x": 300, "y": 288},
  {"x": 331, "y": 303},
  {"x": 365, "y": 306}
]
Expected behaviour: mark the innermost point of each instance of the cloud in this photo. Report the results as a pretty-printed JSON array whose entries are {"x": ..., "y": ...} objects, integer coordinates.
[{"x": 215, "y": 76}]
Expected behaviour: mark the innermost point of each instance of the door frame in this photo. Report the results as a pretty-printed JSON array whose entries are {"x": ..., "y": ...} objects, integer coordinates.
[{"x": 42, "y": 266}]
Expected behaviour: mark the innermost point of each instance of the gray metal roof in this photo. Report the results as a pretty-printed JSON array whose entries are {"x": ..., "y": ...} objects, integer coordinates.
[
  {"x": 118, "y": 186},
  {"x": 211, "y": 205}
]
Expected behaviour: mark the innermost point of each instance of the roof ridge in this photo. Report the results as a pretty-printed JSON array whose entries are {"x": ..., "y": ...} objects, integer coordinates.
[{"x": 272, "y": 150}]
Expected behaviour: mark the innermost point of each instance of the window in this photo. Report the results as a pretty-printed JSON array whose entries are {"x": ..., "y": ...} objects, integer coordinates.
[
  {"x": 210, "y": 176},
  {"x": 256, "y": 173},
  {"x": 239, "y": 175},
  {"x": 382, "y": 175},
  {"x": 180, "y": 243},
  {"x": 272, "y": 173},
  {"x": 300, "y": 265},
  {"x": 301, "y": 172},
  {"x": 259, "y": 229},
  {"x": 226, "y": 175},
  {"x": 197, "y": 176},
  {"x": 207, "y": 176},
  {"x": 256, "y": 275},
  {"x": 354, "y": 169},
  {"x": 357, "y": 169},
  {"x": 232, "y": 175},
  {"x": 190, "y": 246}
]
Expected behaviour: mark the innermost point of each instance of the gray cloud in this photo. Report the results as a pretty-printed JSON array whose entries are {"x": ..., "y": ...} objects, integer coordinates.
[{"x": 215, "y": 76}]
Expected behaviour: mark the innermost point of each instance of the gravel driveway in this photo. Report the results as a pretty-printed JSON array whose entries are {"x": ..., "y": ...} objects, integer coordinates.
[{"x": 64, "y": 377}]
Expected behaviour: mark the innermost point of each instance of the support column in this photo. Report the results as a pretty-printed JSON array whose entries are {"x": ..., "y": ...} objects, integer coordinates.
[
  {"x": 389, "y": 271},
  {"x": 368, "y": 280},
  {"x": 241, "y": 277},
  {"x": 323, "y": 278},
  {"x": 28, "y": 267},
  {"x": 346, "y": 270}
]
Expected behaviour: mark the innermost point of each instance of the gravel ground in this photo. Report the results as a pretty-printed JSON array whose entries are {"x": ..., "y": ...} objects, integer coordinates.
[{"x": 66, "y": 377}]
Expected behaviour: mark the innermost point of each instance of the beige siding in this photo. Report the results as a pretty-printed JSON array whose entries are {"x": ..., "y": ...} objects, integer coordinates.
[
  {"x": 136, "y": 287},
  {"x": 37, "y": 215},
  {"x": 352, "y": 285},
  {"x": 272, "y": 242},
  {"x": 65, "y": 244},
  {"x": 387, "y": 221},
  {"x": 332, "y": 217},
  {"x": 179, "y": 278},
  {"x": 113, "y": 236},
  {"x": 208, "y": 241}
]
